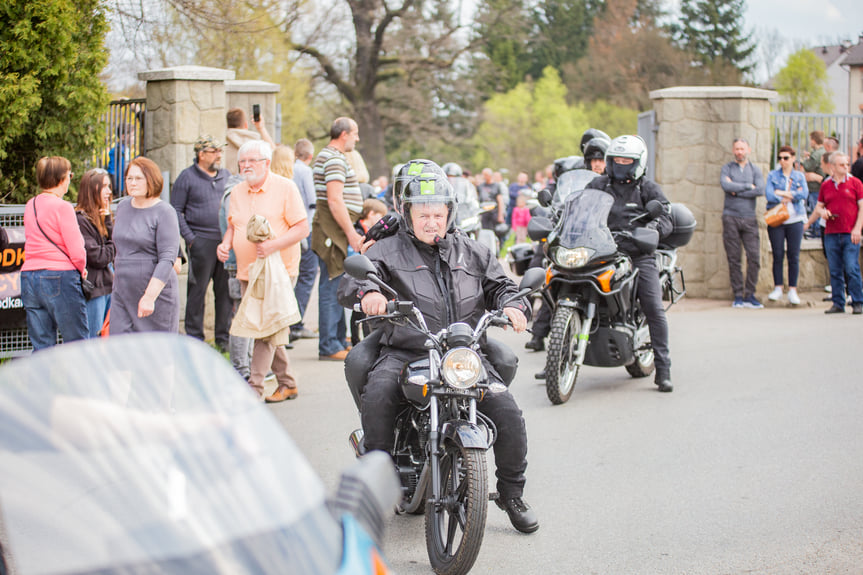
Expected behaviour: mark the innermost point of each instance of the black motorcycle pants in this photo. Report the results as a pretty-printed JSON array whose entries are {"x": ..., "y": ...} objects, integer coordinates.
[
  {"x": 381, "y": 402},
  {"x": 650, "y": 296}
]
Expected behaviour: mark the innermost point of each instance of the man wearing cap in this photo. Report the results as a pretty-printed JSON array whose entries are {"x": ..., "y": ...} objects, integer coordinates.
[{"x": 196, "y": 195}]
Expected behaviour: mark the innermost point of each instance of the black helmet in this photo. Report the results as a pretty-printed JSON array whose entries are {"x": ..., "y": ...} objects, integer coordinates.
[
  {"x": 565, "y": 164},
  {"x": 452, "y": 169},
  {"x": 422, "y": 182},
  {"x": 590, "y": 134},
  {"x": 595, "y": 150}
]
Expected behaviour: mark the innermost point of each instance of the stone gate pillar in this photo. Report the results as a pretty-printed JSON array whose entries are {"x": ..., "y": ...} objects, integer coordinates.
[
  {"x": 183, "y": 103},
  {"x": 695, "y": 128}
]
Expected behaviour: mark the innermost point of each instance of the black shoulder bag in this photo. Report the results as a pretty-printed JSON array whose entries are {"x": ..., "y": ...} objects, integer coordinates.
[{"x": 87, "y": 286}]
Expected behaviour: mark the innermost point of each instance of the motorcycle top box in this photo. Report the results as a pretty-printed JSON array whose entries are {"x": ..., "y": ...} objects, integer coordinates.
[{"x": 684, "y": 226}]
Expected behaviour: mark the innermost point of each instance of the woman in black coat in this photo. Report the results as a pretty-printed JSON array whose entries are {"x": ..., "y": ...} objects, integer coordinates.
[{"x": 94, "y": 219}]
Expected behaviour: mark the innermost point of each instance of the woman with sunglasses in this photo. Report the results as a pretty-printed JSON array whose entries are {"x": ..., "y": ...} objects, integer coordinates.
[
  {"x": 787, "y": 186},
  {"x": 94, "y": 220}
]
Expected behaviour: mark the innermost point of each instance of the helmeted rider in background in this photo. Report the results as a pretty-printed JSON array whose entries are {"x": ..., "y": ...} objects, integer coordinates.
[
  {"x": 626, "y": 163},
  {"x": 594, "y": 155},
  {"x": 594, "y": 144},
  {"x": 467, "y": 200},
  {"x": 450, "y": 278}
]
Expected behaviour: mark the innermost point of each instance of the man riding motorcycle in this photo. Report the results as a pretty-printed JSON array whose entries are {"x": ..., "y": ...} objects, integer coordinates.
[
  {"x": 450, "y": 278},
  {"x": 594, "y": 145},
  {"x": 626, "y": 162}
]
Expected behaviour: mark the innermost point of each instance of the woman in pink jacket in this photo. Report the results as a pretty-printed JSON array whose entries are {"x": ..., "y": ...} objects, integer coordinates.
[{"x": 54, "y": 260}]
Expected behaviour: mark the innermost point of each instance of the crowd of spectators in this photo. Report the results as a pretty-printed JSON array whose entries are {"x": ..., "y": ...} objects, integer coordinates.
[{"x": 822, "y": 199}]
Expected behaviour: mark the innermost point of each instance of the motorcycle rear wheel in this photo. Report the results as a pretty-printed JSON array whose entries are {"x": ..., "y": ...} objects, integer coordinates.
[
  {"x": 561, "y": 371},
  {"x": 455, "y": 526}
]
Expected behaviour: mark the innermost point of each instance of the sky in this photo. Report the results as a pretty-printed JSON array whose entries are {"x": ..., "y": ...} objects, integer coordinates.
[
  {"x": 808, "y": 21},
  {"x": 800, "y": 23}
]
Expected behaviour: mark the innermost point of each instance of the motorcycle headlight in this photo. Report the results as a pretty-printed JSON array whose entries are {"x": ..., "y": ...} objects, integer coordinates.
[
  {"x": 461, "y": 368},
  {"x": 571, "y": 257}
]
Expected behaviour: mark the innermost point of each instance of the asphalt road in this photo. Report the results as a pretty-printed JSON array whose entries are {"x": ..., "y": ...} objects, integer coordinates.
[{"x": 753, "y": 465}]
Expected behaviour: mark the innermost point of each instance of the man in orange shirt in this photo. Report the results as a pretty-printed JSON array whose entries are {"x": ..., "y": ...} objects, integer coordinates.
[{"x": 277, "y": 199}]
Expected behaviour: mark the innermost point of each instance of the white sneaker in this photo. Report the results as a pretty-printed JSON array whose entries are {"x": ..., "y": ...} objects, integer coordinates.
[
  {"x": 776, "y": 294},
  {"x": 793, "y": 298}
]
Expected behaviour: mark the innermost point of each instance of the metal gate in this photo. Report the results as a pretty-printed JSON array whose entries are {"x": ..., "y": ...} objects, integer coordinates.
[
  {"x": 793, "y": 128},
  {"x": 123, "y": 139},
  {"x": 647, "y": 130}
]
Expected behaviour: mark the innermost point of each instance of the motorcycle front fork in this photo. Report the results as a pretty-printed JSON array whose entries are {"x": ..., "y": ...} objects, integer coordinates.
[{"x": 584, "y": 333}]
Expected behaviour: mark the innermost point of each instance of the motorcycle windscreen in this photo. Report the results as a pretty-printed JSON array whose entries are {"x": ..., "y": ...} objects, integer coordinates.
[
  {"x": 584, "y": 223},
  {"x": 569, "y": 183},
  {"x": 147, "y": 453}
]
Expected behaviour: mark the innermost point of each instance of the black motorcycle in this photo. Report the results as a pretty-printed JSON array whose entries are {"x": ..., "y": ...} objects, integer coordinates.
[
  {"x": 440, "y": 438},
  {"x": 592, "y": 286}
]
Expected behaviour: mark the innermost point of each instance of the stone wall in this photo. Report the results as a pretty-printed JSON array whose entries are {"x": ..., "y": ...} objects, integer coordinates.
[
  {"x": 186, "y": 102},
  {"x": 695, "y": 128}
]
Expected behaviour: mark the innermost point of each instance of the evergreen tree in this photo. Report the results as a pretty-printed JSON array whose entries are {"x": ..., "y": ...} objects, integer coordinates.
[
  {"x": 561, "y": 31},
  {"x": 51, "y": 96},
  {"x": 712, "y": 31}
]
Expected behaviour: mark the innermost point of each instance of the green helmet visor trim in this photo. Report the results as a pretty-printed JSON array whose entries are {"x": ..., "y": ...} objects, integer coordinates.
[{"x": 427, "y": 187}]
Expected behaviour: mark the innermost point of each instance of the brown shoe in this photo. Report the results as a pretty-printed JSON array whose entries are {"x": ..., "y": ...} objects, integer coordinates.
[
  {"x": 338, "y": 356},
  {"x": 283, "y": 393}
]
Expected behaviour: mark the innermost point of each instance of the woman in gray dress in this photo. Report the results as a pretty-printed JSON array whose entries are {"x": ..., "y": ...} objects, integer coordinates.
[{"x": 147, "y": 238}]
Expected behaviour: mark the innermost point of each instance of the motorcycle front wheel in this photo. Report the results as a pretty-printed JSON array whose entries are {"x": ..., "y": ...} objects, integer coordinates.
[
  {"x": 456, "y": 524},
  {"x": 561, "y": 371},
  {"x": 643, "y": 364}
]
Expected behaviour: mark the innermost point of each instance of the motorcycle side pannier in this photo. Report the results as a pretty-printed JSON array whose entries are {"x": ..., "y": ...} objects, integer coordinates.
[{"x": 684, "y": 226}]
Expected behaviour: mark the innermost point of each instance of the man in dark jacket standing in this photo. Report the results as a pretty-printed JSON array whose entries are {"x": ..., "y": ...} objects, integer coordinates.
[
  {"x": 625, "y": 164},
  {"x": 742, "y": 183},
  {"x": 196, "y": 195},
  {"x": 450, "y": 278}
]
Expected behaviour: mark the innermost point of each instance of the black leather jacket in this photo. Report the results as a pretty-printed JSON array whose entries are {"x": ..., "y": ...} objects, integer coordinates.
[
  {"x": 456, "y": 280},
  {"x": 629, "y": 201}
]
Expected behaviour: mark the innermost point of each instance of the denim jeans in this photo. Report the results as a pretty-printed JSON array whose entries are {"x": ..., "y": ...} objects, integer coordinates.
[
  {"x": 96, "y": 310},
  {"x": 792, "y": 234},
  {"x": 305, "y": 282},
  {"x": 842, "y": 259},
  {"x": 53, "y": 301},
  {"x": 331, "y": 315}
]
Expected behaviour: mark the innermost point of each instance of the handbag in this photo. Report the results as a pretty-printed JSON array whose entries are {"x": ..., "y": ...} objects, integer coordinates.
[
  {"x": 87, "y": 286},
  {"x": 776, "y": 215}
]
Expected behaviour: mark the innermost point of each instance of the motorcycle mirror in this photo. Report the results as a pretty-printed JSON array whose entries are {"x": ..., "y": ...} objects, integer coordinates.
[
  {"x": 645, "y": 239},
  {"x": 538, "y": 228},
  {"x": 359, "y": 267},
  {"x": 544, "y": 196},
  {"x": 533, "y": 278}
]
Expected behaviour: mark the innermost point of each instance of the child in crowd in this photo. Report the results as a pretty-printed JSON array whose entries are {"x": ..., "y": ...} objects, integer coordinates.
[
  {"x": 520, "y": 218},
  {"x": 373, "y": 210}
]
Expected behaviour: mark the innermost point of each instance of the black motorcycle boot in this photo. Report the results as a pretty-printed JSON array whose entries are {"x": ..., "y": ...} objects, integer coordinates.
[
  {"x": 663, "y": 382},
  {"x": 539, "y": 375},
  {"x": 536, "y": 344},
  {"x": 522, "y": 517}
]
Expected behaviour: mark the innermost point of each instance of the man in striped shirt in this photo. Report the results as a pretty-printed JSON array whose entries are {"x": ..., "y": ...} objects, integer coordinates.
[{"x": 339, "y": 203}]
